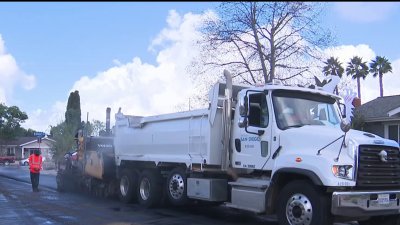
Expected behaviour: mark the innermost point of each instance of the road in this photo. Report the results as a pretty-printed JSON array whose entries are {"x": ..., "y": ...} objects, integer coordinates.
[{"x": 19, "y": 205}]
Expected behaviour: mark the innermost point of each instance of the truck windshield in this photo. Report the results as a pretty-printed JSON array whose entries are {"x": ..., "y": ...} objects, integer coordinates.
[{"x": 297, "y": 109}]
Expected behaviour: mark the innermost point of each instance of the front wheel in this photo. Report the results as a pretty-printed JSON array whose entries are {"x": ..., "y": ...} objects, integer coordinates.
[
  {"x": 382, "y": 220},
  {"x": 301, "y": 203}
]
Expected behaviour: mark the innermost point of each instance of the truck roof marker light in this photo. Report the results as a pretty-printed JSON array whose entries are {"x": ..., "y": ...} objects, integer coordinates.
[{"x": 298, "y": 159}]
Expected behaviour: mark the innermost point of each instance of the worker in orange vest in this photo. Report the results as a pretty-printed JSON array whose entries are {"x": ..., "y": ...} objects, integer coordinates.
[{"x": 35, "y": 165}]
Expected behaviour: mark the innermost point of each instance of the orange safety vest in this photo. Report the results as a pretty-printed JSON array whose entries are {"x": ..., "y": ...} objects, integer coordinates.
[{"x": 35, "y": 163}]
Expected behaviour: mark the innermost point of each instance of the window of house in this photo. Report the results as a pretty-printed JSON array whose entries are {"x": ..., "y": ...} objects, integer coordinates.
[{"x": 10, "y": 151}]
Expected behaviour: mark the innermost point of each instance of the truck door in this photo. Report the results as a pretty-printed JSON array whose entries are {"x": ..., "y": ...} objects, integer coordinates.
[{"x": 253, "y": 141}]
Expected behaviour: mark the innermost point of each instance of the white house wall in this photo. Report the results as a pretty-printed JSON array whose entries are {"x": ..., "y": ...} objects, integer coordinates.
[{"x": 45, "y": 147}]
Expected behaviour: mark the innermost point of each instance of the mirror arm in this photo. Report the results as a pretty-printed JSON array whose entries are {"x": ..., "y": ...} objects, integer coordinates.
[
  {"x": 259, "y": 132},
  {"x": 344, "y": 109}
]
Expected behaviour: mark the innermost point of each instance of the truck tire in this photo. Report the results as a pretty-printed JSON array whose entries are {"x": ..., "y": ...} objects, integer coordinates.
[
  {"x": 60, "y": 183},
  {"x": 149, "y": 189},
  {"x": 177, "y": 187},
  {"x": 382, "y": 220},
  {"x": 128, "y": 186},
  {"x": 300, "y": 202}
]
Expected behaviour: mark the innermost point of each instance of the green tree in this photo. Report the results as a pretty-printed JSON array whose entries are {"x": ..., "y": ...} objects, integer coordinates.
[
  {"x": 10, "y": 121},
  {"x": 358, "y": 121},
  {"x": 87, "y": 128},
  {"x": 98, "y": 127},
  {"x": 357, "y": 69},
  {"x": 95, "y": 128},
  {"x": 378, "y": 67},
  {"x": 64, "y": 136},
  {"x": 73, "y": 112},
  {"x": 333, "y": 67},
  {"x": 64, "y": 132},
  {"x": 22, "y": 132}
]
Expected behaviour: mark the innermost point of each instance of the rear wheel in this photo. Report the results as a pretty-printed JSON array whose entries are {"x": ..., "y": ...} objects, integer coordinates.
[
  {"x": 177, "y": 187},
  {"x": 301, "y": 203},
  {"x": 128, "y": 186},
  {"x": 382, "y": 220},
  {"x": 60, "y": 183},
  {"x": 150, "y": 188},
  {"x": 66, "y": 181}
]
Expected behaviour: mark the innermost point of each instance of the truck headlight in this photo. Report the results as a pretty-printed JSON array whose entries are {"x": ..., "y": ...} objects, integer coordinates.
[
  {"x": 352, "y": 149},
  {"x": 343, "y": 171}
]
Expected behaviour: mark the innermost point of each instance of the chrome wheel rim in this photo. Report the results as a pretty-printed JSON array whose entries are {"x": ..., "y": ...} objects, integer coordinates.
[
  {"x": 144, "y": 188},
  {"x": 176, "y": 186},
  {"x": 299, "y": 210},
  {"x": 124, "y": 185}
]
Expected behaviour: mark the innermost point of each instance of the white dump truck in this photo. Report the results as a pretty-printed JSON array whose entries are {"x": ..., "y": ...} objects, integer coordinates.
[{"x": 273, "y": 150}]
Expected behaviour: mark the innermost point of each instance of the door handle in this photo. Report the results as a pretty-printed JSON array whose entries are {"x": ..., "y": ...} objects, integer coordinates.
[{"x": 238, "y": 145}]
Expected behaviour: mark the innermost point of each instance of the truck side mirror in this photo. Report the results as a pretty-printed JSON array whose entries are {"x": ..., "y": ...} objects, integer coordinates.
[
  {"x": 243, "y": 106},
  {"x": 242, "y": 122},
  {"x": 345, "y": 126}
]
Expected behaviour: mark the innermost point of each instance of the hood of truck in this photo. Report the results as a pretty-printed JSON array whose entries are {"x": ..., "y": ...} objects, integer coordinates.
[
  {"x": 313, "y": 138},
  {"x": 310, "y": 139},
  {"x": 366, "y": 138},
  {"x": 300, "y": 146}
]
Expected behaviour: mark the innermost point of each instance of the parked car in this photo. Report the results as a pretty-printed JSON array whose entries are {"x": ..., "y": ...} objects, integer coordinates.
[
  {"x": 25, "y": 162},
  {"x": 6, "y": 160}
]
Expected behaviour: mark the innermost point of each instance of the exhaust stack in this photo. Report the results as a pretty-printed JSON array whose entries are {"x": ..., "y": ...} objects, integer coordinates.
[
  {"x": 108, "y": 112},
  {"x": 227, "y": 114}
]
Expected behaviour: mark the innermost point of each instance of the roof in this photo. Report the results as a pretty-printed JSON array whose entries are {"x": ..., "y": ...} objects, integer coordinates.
[
  {"x": 381, "y": 108},
  {"x": 19, "y": 141}
]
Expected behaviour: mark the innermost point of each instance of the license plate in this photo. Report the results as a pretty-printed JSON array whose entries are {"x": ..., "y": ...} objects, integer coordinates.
[{"x": 383, "y": 199}]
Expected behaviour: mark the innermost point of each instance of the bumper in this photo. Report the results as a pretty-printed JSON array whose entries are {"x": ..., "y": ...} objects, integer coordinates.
[{"x": 371, "y": 203}]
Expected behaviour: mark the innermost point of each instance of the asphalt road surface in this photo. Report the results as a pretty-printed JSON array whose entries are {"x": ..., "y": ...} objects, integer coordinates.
[{"x": 19, "y": 205}]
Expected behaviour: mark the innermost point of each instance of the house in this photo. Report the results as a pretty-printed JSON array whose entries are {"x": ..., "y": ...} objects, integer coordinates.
[
  {"x": 382, "y": 116},
  {"x": 22, "y": 147}
]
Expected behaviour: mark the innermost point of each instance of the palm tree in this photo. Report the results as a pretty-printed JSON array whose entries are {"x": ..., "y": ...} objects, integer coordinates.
[
  {"x": 357, "y": 69},
  {"x": 333, "y": 67},
  {"x": 380, "y": 66}
]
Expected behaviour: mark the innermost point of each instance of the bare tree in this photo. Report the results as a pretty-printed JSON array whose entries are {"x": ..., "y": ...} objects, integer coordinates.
[{"x": 262, "y": 41}]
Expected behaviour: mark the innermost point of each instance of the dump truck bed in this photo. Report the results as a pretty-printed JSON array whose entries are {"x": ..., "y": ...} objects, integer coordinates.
[{"x": 185, "y": 137}]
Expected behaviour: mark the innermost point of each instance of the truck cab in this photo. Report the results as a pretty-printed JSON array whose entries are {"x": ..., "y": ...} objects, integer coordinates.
[
  {"x": 298, "y": 162},
  {"x": 265, "y": 115}
]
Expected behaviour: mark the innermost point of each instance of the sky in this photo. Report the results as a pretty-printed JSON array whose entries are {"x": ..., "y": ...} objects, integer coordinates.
[{"x": 134, "y": 55}]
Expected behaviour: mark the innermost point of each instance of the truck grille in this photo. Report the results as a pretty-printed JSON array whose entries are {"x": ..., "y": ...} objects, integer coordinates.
[{"x": 373, "y": 172}]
